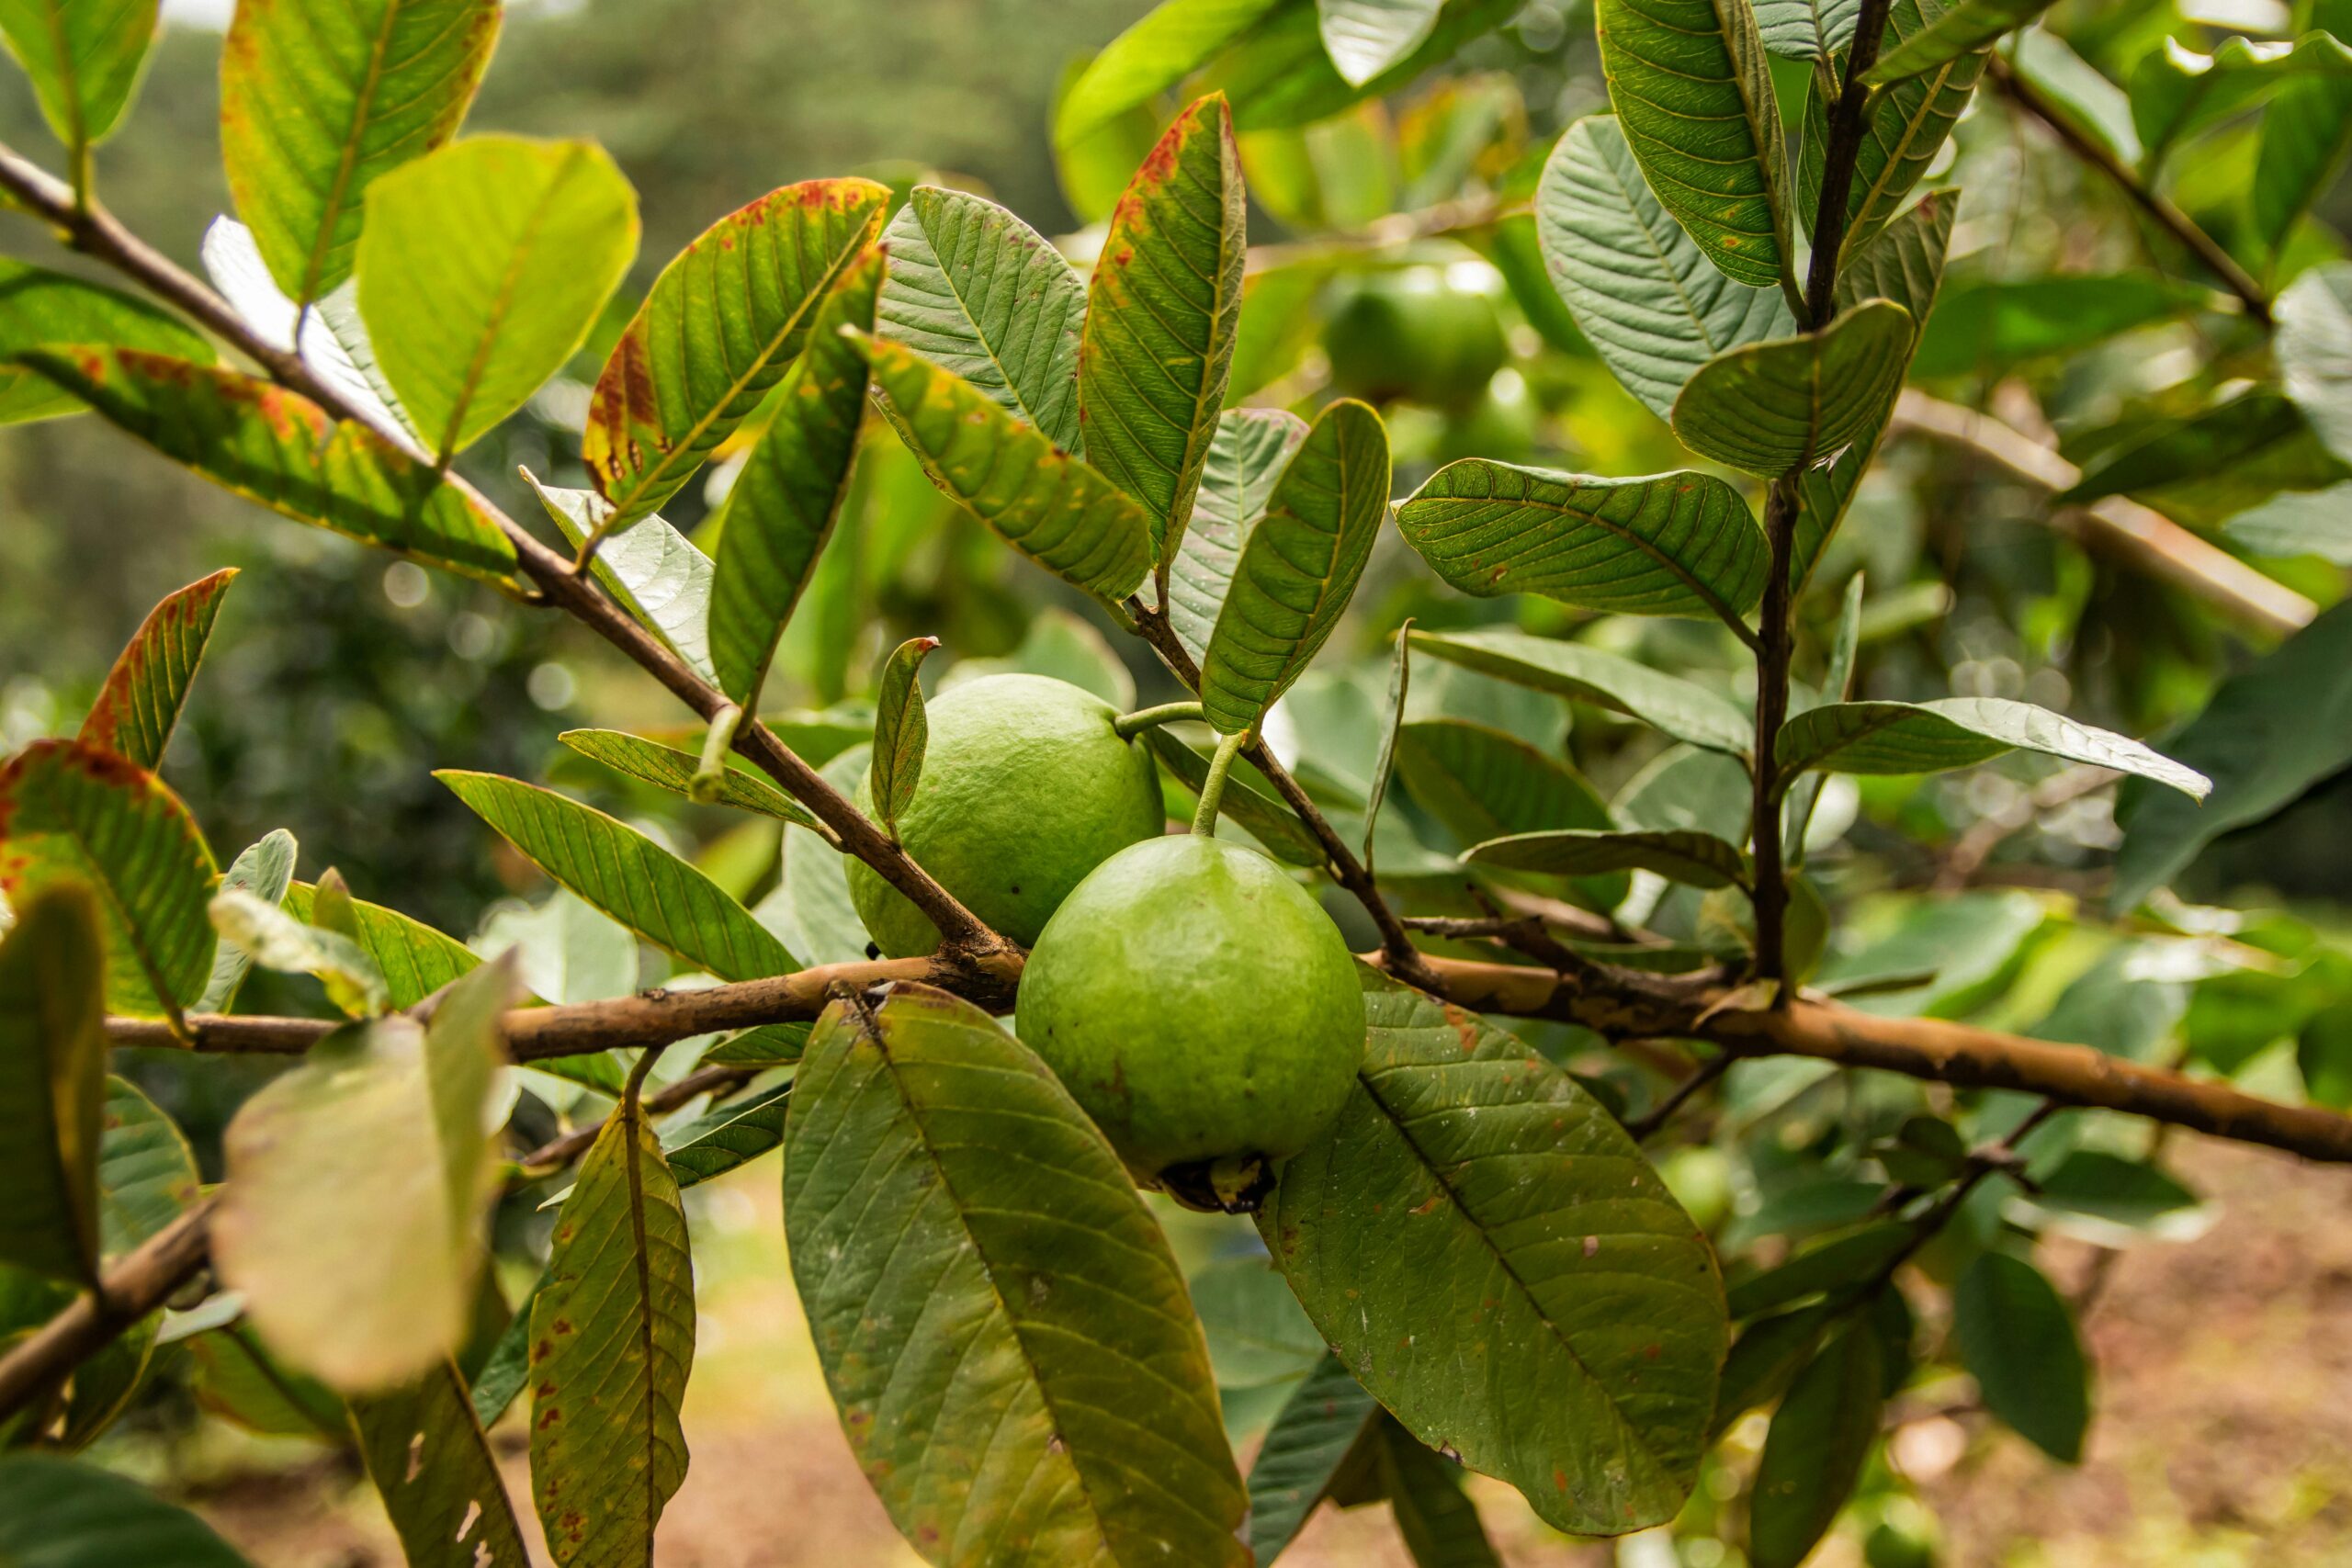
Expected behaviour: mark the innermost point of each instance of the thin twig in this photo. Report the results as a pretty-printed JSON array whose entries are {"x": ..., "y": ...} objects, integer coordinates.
[
  {"x": 1647, "y": 1126},
  {"x": 141, "y": 1283}
]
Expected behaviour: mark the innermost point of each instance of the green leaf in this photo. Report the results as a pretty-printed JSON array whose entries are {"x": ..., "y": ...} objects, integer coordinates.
[
  {"x": 38, "y": 306},
  {"x": 1168, "y": 44},
  {"x": 140, "y": 703},
  {"x": 1815, "y": 1451},
  {"x": 2305, "y": 134},
  {"x": 1641, "y": 291},
  {"x": 276, "y": 940},
  {"x": 1251, "y": 449},
  {"x": 1464, "y": 1160},
  {"x": 1052, "y": 507},
  {"x": 565, "y": 951},
  {"x": 666, "y": 767},
  {"x": 721, "y": 325},
  {"x": 2199, "y": 445},
  {"x": 1317, "y": 1426},
  {"x": 1904, "y": 262},
  {"x": 1298, "y": 567},
  {"x": 2077, "y": 90},
  {"x": 1694, "y": 95},
  {"x": 358, "y": 1185},
  {"x": 2268, "y": 734},
  {"x": 1161, "y": 312},
  {"x": 628, "y": 875},
  {"x": 1392, "y": 722},
  {"x": 59, "y": 1512},
  {"x": 466, "y": 332},
  {"x": 1958, "y": 732},
  {"x": 810, "y": 911},
  {"x": 1699, "y": 860},
  {"x": 281, "y": 450},
  {"x": 316, "y": 104},
  {"x": 332, "y": 339},
  {"x": 1003, "y": 1328},
  {"x": 1673, "y": 544},
  {"x": 612, "y": 1342},
  {"x": 507, "y": 1367},
  {"x": 52, "y": 1082},
  {"x": 1965, "y": 28},
  {"x": 1482, "y": 784},
  {"x": 1366, "y": 38},
  {"x": 656, "y": 572},
  {"x": 2178, "y": 92},
  {"x": 983, "y": 296},
  {"x": 1806, "y": 29},
  {"x": 1257, "y": 1332},
  {"x": 70, "y": 811},
  {"x": 1279, "y": 76},
  {"x": 900, "y": 731},
  {"x": 1438, "y": 1523},
  {"x": 784, "y": 504},
  {"x": 146, "y": 1170},
  {"x": 1835, "y": 687},
  {"x": 84, "y": 59},
  {"x": 1986, "y": 325},
  {"x": 727, "y": 1136},
  {"x": 1773, "y": 408},
  {"x": 414, "y": 959},
  {"x": 433, "y": 1468},
  {"x": 2299, "y": 522},
  {"x": 2314, "y": 349},
  {"x": 2017, "y": 1339},
  {"x": 1907, "y": 125},
  {"x": 1678, "y": 707},
  {"x": 1269, "y": 821}
]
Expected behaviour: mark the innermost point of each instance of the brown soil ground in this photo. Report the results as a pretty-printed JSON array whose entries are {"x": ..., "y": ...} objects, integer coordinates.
[{"x": 2224, "y": 1433}]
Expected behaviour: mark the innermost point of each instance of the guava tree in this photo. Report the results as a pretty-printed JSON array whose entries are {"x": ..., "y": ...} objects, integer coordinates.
[{"x": 1592, "y": 1108}]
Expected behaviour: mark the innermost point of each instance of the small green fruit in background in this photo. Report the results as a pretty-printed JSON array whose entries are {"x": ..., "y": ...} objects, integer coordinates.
[
  {"x": 1416, "y": 333},
  {"x": 1201, "y": 1009},
  {"x": 1699, "y": 1179},
  {"x": 1025, "y": 788},
  {"x": 1502, "y": 422}
]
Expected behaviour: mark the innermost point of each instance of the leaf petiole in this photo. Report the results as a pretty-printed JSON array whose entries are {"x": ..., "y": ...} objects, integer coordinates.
[
  {"x": 1212, "y": 787},
  {"x": 710, "y": 778},
  {"x": 1129, "y": 725}
]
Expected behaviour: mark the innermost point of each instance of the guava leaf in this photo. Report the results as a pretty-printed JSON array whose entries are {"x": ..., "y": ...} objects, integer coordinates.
[
  {"x": 2178, "y": 92},
  {"x": 38, "y": 306},
  {"x": 1439, "y": 1523},
  {"x": 1965, "y": 28},
  {"x": 358, "y": 1185},
  {"x": 810, "y": 910},
  {"x": 1271, "y": 822},
  {"x": 1391, "y": 725},
  {"x": 1367, "y": 37},
  {"x": 1052, "y": 507},
  {"x": 1323, "y": 1419},
  {"x": 1279, "y": 75},
  {"x": 1772, "y": 408},
  {"x": 626, "y": 875},
  {"x": 61, "y": 1513},
  {"x": 52, "y": 1083},
  {"x": 2305, "y": 133},
  {"x": 2268, "y": 735},
  {"x": 1251, "y": 449},
  {"x": 612, "y": 1343},
  {"x": 720, "y": 326},
  {"x": 281, "y": 450},
  {"x": 1161, "y": 314},
  {"x": 1666, "y": 703},
  {"x": 1673, "y": 544},
  {"x": 146, "y": 1170},
  {"x": 1003, "y": 1329},
  {"x": 276, "y": 940},
  {"x": 70, "y": 811},
  {"x": 1814, "y": 1448},
  {"x": 315, "y": 104},
  {"x": 140, "y": 703},
  {"x": 83, "y": 60},
  {"x": 2018, "y": 1339},
  {"x": 727, "y": 1135},
  {"x": 666, "y": 767},
  {"x": 1169, "y": 43},
  {"x": 1641, "y": 291},
  {"x": 1806, "y": 29},
  {"x": 1956, "y": 732},
  {"x": 659, "y": 575},
  {"x": 1693, "y": 92},
  {"x": 1483, "y": 784},
  {"x": 1699, "y": 860},
  {"x": 414, "y": 959},
  {"x": 1258, "y": 1334},
  {"x": 983, "y": 296},
  {"x": 467, "y": 332},
  {"x": 1298, "y": 566},
  {"x": 433, "y": 1468},
  {"x": 1472, "y": 1196},
  {"x": 900, "y": 731},
  {"x": 2314, "y": 351},
  {"x": 784, "y": 504},
  {"x": 1906, "y": 126}
]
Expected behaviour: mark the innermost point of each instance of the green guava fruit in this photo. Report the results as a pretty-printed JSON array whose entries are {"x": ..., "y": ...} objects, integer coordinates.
[
  {"x": 1025, "y": 788},
  {"x": 1411, "y": 332},
  {"x": 1203, "y": 1009}
]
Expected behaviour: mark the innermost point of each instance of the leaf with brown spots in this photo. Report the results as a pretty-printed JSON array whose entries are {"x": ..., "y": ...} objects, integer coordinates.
[
  {"x": 723, "y": 323},
  {"x": 432, "y": 1466},
  {"x": 141, "y": 700},
  {"x": 38, "y": 306},
  {"x": 612, "y": 1340},
  {"x": 1555, "y": 1266}
]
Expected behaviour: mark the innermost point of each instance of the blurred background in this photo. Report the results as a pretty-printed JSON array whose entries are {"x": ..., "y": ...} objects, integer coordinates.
[{"x": 338, "y": 681}]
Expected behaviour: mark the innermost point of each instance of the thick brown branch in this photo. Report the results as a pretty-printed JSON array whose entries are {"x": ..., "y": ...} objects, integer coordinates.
[
  {"x": 138, "y": 1284},
  {"x": 97, "y": 234},
  {"x": 2152, "y": 202}
]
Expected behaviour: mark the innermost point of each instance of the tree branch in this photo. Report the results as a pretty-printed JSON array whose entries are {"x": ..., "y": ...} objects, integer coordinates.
[
  {"x": 142, "y": 1281},
  {"x": 97, "y": 234},
  {"x": 2166, "y": 216}
]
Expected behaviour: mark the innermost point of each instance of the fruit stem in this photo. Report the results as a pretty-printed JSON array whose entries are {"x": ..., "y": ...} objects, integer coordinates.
[
  {"x": 1130, "y": 724},
  {"x": 1212, "y": 787},
  {"x": 709, "y": 779}
]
